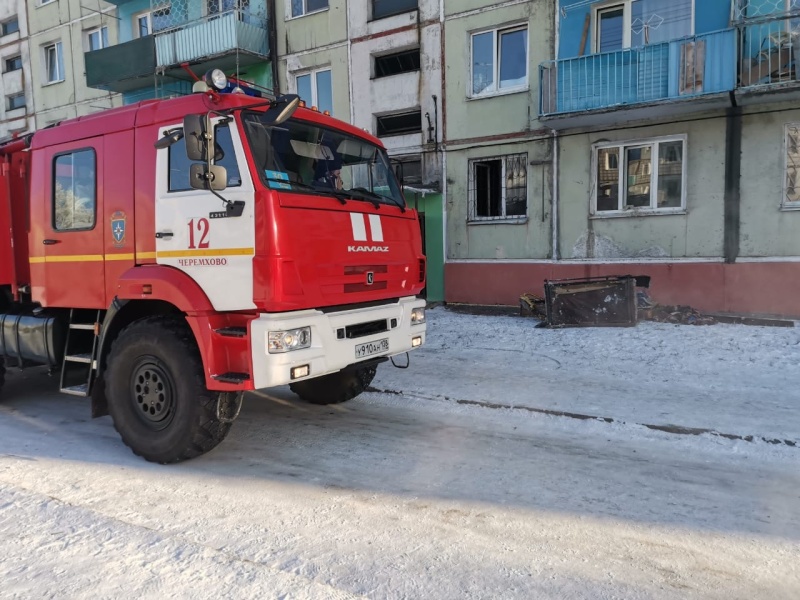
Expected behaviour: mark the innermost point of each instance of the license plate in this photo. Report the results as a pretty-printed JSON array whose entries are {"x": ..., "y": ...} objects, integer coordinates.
[{"x": 370, "y": 348}]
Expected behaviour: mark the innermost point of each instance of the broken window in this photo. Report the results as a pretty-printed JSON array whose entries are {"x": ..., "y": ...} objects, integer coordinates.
[
  {"x": 648, "y": 175},
  {"x": 396, "y": 63},
  {"x": 499, "y": 187},
  {"x": 387, "y": 8},
  {"x": 399, "y": 124}
]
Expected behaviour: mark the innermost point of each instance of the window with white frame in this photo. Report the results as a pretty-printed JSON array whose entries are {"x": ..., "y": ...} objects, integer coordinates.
[
  {"x": 304, "y": 7},
  {"x": 315, "y": 88},
  {"x": 96, "y": 39},
  {"x": 498, "y": 188},
  {"x": 791, "y": 180},
  {"x": 647, "y": 175},
  {"x": 632, "y": 23},
  {"x": 499, "y": 60},
  {"x": 53, "y": 63},
  {"x": 142, "y": 24}
]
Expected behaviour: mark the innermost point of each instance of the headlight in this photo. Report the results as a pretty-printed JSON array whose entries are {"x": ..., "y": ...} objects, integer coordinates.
[
  {"x": 417, "y": 316},
  {"x": 216, "y": 79},
  {"x": 286, "y": 341}
]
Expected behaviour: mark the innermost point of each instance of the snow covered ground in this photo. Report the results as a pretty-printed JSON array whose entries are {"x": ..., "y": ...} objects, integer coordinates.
[{"x": 453, "y": 479}]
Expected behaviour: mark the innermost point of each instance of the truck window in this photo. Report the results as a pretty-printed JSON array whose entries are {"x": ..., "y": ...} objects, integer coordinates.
[
  {"x": 74, "y": 190},
  {"x": 225, "y": 157}
]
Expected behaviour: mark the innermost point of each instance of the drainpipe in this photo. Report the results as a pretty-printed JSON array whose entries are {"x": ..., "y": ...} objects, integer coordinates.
[
  {"x": 350, "y": 68},
  {"x": 273, "y": 46},
  {"x": 733, "y": 174},
  {"x": 555, "y": 199}
]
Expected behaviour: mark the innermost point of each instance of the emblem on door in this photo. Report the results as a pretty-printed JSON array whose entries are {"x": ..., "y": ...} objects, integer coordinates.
[{"x": 370, "y": 277}]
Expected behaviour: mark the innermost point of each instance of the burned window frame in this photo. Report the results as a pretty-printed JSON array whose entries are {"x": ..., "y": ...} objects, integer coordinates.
[
  {"x": 408, "y": 61},
  {"x": 381, "y": 121},
  {"x": 622, "y": 147},
  {"x": 402, "y": 6},
  {"x": 506, "y": 162}
]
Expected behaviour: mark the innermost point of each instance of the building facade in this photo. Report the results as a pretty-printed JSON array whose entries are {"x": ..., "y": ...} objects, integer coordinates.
[
  {"x": 499, "y": 155},
  {"x": 378, "y": 65},
  {"x": 675, "y": 134},
  {"x": 60, "y": 33},
  {"x": 16, "y": 111}
]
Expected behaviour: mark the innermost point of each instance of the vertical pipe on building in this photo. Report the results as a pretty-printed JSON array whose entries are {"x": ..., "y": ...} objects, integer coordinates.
[
  {"x": 350, "y": 65},
  {"x": 555, "y": 200},
  {"x": 272, "y": 15},
  {"x": 443, "y": 146},
  {"x": 733, "y": 171}
]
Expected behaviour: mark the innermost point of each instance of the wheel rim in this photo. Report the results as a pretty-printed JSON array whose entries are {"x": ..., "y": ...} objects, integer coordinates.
[{"x": 152, "y": 393}]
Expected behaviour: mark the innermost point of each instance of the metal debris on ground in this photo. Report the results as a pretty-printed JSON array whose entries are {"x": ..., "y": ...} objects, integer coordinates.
[{"x": 591, "y": 302}]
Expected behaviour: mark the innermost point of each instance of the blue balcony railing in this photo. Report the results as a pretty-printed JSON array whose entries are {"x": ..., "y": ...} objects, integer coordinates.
[
  {"x": 681, "y": 68},
  {"x": 227, "y": 33}
]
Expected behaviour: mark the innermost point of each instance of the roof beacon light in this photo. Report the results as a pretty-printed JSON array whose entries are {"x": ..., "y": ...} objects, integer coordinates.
[{"x": 216, "y": 79}]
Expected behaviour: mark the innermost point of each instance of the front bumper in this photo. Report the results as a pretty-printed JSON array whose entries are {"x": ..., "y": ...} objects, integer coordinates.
[{"x": 329, "y": 353}]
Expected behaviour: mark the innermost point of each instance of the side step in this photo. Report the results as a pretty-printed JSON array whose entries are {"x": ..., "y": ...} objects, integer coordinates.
[
  {"x": 232, "y": 377},
  {"x": 80, "y": 352}
]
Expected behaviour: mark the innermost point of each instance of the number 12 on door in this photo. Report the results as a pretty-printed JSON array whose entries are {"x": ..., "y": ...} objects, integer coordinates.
[{"x": 198, "y": 233}]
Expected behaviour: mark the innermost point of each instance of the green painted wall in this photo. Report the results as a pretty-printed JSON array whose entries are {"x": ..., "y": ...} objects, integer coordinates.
[
  {"x": 485, "y": 240},
  {"x": 698, "y": 233},
  {"x": 766, "y": 230},
  {"x": 432, "y": 211}
]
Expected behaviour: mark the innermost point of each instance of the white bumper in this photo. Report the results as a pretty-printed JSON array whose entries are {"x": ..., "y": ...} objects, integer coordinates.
[{"x": 328, "y": 352}]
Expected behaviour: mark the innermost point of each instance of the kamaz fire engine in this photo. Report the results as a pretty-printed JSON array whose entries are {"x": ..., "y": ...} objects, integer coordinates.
[{"x": 170, "y": 255}]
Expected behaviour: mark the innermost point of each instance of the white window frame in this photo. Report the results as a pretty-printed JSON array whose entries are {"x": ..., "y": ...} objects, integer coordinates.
[
  {"x": 314, "y": 101},
  {"x": 305, "y": 12},
  {"x": 473, "y": 200},
  {"x": 622, "y": 166},
  {"x": 87, "y": 35},
  {"x": 43, "y": 2},
  {"x": 58, "y": 51},
  {"x": 790, "y": 204},
  {"x": 148, "y": 14},
  {"x": 496, "y": 32}
]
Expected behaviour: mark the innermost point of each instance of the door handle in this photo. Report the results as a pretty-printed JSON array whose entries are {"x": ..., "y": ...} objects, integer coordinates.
[
  {"x": 164, "y": 234},
  {"x": 50, "y": 242}
]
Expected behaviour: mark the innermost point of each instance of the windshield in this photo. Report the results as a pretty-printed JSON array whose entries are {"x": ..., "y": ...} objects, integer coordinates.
[{"x": 307, "y": 158}]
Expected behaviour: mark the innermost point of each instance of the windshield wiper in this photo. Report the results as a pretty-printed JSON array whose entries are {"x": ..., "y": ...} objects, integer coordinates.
[{"x": 288, "y": 185}]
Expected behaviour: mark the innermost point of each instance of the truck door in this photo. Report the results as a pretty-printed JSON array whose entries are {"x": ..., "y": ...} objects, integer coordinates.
[
  {"x": 194, "y": 234},
  {"x": 72, "y": 231}
]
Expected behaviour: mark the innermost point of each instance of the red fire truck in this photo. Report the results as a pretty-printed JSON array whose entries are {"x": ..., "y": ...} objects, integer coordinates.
[{"x": 170, "y": 255}]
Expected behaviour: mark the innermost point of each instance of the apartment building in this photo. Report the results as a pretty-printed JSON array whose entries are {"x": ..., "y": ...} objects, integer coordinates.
[
  {"x": 60, "y": 32},
  {"x": 378, "y": 65},
  {"x": 16, "y": 110}
]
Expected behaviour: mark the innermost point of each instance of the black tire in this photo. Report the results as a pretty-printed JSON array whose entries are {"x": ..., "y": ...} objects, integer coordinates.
[
  {"x": 156, "y": 392},
  {"x": 335, "y": 388}
]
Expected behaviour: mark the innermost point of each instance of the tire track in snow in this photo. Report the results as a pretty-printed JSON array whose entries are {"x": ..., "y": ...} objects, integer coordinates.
[{"x": 666, "y": 428}]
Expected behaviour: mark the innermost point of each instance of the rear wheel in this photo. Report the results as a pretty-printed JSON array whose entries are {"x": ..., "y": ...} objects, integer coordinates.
[
  {"x": 156, "y": 392},
  {"x": 336, "y": 387}
]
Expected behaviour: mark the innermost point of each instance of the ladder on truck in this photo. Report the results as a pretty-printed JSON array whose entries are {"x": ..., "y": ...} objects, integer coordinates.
[{"x": 80, "y": 352}]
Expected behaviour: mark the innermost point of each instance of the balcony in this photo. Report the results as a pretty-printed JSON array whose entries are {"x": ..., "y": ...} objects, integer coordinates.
[
  {"x": 221, "y": 41},
  {"x": 123, "y": 67},
  {"x": 769, "y": 56},
  {"x": 578, "y": 91}
]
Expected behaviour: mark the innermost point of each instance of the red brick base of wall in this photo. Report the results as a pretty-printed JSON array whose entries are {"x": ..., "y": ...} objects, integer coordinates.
[{"x": 756, "y": 288}]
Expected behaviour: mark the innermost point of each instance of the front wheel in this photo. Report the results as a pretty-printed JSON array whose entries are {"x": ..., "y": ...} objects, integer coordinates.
[
  {"x": 335, "y": 388},
  {"x": 156, "y": 392}
]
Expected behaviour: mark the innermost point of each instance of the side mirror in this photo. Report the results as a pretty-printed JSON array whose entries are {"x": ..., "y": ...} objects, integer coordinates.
[
  {"x": 282, "y": 109},
  {"x": 199, "y": 137},
  {"x": 205, "y": 177}
]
